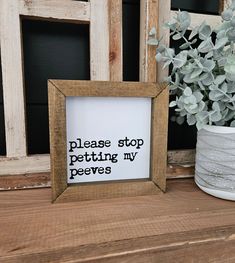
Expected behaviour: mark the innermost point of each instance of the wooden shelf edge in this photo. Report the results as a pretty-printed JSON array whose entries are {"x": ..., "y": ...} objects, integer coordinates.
[
  {"x": 190, "y": 244},
  {"x": 41, "y": 180}
]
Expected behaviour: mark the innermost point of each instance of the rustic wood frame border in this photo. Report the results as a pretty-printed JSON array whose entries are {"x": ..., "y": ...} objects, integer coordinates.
[{"x": 58, "y": 91}]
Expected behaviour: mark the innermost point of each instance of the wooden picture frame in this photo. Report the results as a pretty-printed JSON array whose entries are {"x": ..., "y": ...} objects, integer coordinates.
[{"x": 58, "y": 91}]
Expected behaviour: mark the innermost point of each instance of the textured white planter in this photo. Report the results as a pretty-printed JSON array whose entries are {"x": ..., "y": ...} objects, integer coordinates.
[{"x": 215, "y": 161}]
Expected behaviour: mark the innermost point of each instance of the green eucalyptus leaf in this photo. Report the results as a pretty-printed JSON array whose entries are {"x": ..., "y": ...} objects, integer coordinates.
[
  {"x": 177, "y": 36},
  {"x": 232, "y": 6},
  {"x": 158, "y": 57},
  {"x": 213, "y": 86},
  {"x": 184, "y": 20},
  {"x": 200, "y": 125},
  {"x": 180, "y": 59},
  {"x": 172, "y": 104},
  {"x": 153, "y": 31},
  {"x": 227, "y": 14},
  {"x": 206, "y": 46},
  {"x": 196, "y": 72},
  {"x": 202, "y": 116},
  {"x": 185, "y": 45},
  {"x": 221, "y": 34},
  {"x": 219, "y": 79},
  {"x": 205, "y": 32},
  {"x": 188, "y": 92},
  {"x": 209, "y": 54},
  {"x": 198, "y": 95},
  {"x": 208, "y": 80},
  {"x": 191, "y": 119},
  {"x": 215, "y": 116},
  {"x": 208, "y": 65},
  {"x": 194, "y": 32},
  {"x": 215, "y": 95},
  {"x": 220, "y": 42},
  {"x": 152, "y": 42},
  {"x": 231, "y": 34},
  {"x": 190, "y": 100},
  {"x": 231, "y": 87},
  {"x": 232, "y": 124},
  {"x": 216, "y": 106}
]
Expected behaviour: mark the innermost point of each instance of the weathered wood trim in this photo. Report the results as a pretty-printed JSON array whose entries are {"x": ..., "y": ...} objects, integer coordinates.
[
  {"x": 164, "y": 33},
  {"x": 99, "y": 40},
  {"x": 71, "y": 11},
  {"x": 197, "y": 19},
  {"x": 12, "y": 77},
  {"x": 58, "y": 154},
  {"x": 178, "y": 171},
  {"x": 159, "y": 145},
  {"x": 181, "y": 156},
  {"x": 25, "y": 165},
  {"x": 104, "y": 88},
  {"x": 115, "y": 39},
  {"x": 25, "y": 181},
  {"x": 148, "y": 19}
]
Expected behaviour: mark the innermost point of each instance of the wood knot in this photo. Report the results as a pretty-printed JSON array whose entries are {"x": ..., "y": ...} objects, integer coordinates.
[{"x": 112, "y": 56}]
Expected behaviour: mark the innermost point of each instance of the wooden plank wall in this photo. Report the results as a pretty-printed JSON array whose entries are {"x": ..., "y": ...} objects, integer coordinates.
[{"x": 17, "y": 169}]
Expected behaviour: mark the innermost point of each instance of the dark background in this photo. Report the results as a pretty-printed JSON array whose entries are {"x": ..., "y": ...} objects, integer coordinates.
[{"x": 61, "y": 51}]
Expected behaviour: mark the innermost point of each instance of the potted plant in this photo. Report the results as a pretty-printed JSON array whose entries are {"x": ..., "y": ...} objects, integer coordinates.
[{"x": 202, "y": 82}]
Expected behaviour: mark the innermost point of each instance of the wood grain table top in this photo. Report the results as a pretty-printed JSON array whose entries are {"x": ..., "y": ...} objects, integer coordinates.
[{"x": 183, "y": 225}]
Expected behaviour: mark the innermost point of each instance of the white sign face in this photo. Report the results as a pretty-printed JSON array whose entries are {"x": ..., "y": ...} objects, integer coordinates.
[{"x": 108, "y": 138}]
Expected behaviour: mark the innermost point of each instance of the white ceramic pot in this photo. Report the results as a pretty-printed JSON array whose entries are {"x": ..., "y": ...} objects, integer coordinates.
[{"x": 215, "y": 161}]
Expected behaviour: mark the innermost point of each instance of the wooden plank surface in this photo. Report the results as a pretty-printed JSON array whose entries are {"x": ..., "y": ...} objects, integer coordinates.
[
  {"x": 12, "y": 77},
  {"x": 183, "y": 224},
  {"x": 71, "y": 11}
]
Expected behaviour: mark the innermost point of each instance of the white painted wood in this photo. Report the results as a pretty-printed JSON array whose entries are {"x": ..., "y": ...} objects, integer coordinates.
[
  {"x": 148, "y": 19},
  {"x": 197, "y": 19},
  {"x": 24, "y": 165},
  {"x": 12, "y": 77},
  {"x": 69, "y": 10},
  {"x": 143, "y": 44},
  {"x": 99, "y": 40},
  {"x": 115, "y": 40},
  {"x": 164, "y": 16}
]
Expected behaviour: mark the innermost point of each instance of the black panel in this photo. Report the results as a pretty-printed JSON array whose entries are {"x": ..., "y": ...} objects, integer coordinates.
[
  {"x": 1, "y": 90},
  {"x": 51, "y": 51},
  {"x": 2, "y": 126},
  {"x": 37, "y": 118},
  {"x": 197, "y": 6},
  {"x": 131, "y": 34},
  {"x": 181, "y": 136}
]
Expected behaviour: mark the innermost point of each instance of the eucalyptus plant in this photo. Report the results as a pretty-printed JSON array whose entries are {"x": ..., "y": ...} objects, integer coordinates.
[{"x": 202, "y": 75}]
